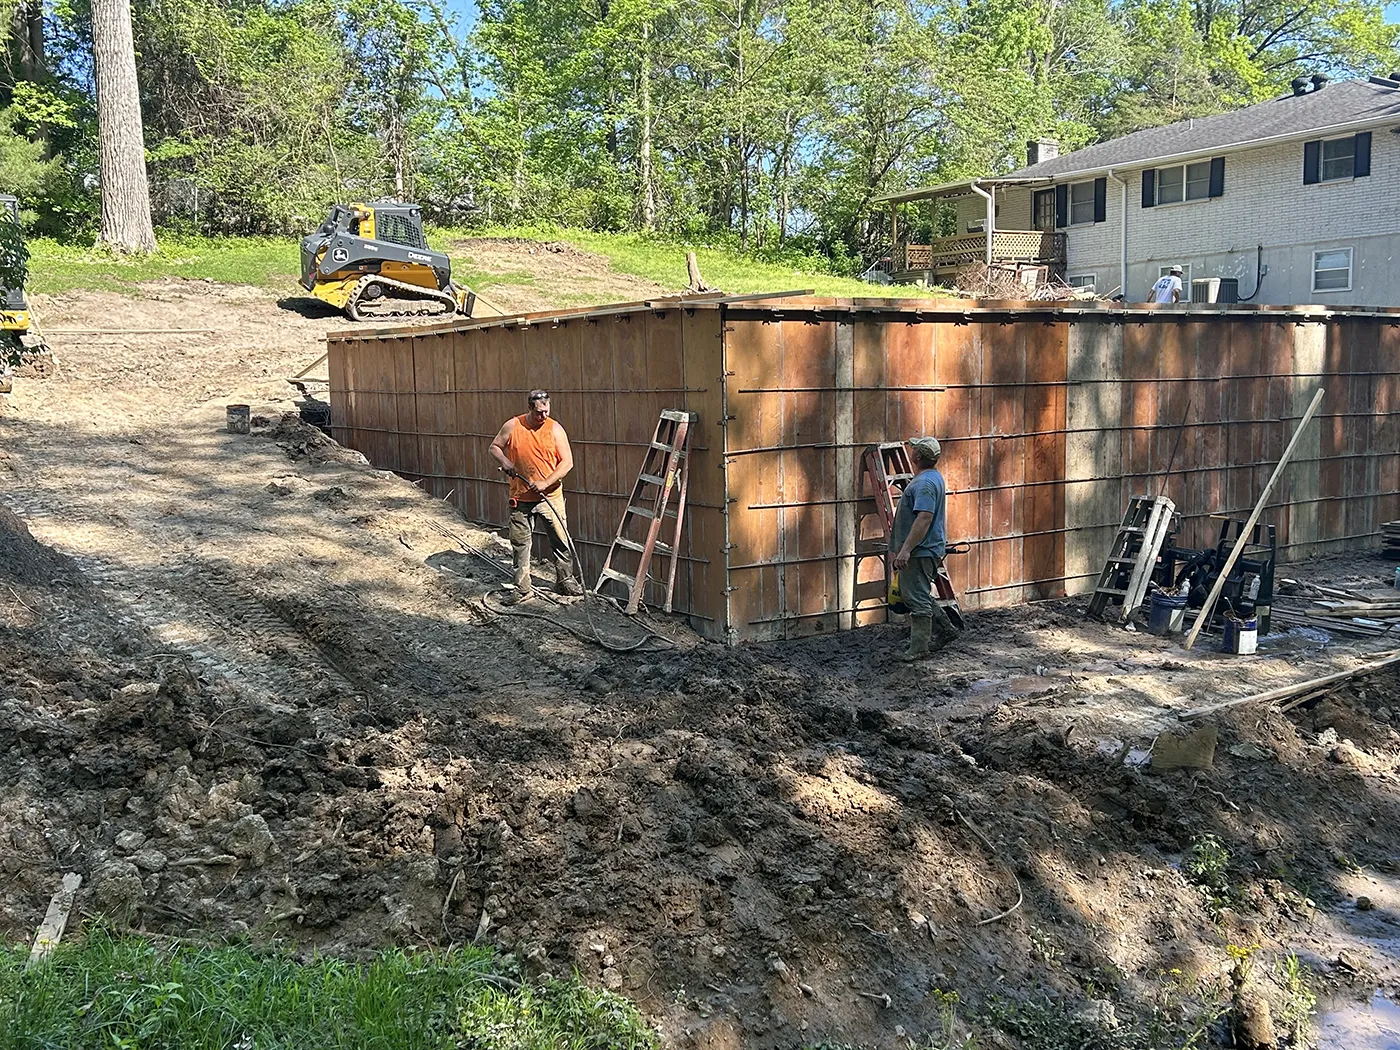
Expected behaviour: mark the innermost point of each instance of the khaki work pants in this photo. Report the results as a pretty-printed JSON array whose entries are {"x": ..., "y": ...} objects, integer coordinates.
[{"x": 550, "y": 510}]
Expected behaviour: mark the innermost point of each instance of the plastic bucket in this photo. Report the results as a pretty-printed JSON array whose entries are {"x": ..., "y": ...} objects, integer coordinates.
[
  {"x": 1241, "y": 636},
  {"x": 239, "y": 419},
  {"x": 1167, "y": 614}
]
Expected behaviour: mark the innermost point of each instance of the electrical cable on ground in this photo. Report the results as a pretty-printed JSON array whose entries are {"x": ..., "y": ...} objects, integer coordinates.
[{"x": 595, "y": 636}]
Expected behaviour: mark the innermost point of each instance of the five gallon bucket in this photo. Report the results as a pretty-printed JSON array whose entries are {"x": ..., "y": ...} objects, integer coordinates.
[
  {"x": 1167, "y": 614},
  {"x": 239, "y": 419},
  {"x": 1241, "y": 636}
]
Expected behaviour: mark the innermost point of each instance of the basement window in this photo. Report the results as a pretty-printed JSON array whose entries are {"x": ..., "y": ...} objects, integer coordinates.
[
  {"x": 1086, "y": 281},
  {"x": 1332, "y": 270}
]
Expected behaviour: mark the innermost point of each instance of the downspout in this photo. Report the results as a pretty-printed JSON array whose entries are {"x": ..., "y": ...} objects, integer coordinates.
[
  {"x": 1123, "y": 237},
  {"x": 991, "y": 222}
]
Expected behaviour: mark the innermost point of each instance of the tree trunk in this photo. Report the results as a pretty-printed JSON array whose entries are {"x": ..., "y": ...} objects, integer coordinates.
[
  {"x": 648, "y": 188},
  {"x": 126, "y": 197},
  {"x": 29, "y": 39}
]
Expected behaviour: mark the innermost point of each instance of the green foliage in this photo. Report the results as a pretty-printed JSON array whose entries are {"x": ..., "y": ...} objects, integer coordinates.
[
  {"x": 1300, "y": 1001},
  {"x": 14, "y": 253},
  {"x": 1046, "y": 1024},
  {"x": 767, "y": 125},
  {"x": 1207, "y": 867},
  {"x": 130, "y": 995}
]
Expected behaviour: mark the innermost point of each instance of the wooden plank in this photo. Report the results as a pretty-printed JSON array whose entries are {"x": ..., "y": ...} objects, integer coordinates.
[{"x": 50, "y": 931}]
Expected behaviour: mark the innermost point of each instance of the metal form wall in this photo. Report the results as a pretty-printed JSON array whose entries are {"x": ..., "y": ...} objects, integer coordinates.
[
  {"x": 1050, "y": 418},
  {"x": 426, "y": 402}
]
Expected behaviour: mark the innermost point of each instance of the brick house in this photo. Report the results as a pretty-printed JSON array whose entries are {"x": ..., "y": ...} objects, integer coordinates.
[{"x": 1293, "y": 200}]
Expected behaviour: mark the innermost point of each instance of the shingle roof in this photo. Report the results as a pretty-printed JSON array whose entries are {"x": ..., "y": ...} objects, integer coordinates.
[{"x": 1338, "y": 104}]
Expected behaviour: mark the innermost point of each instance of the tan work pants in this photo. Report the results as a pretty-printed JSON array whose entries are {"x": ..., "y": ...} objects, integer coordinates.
[{"x": 550, "y": 510}]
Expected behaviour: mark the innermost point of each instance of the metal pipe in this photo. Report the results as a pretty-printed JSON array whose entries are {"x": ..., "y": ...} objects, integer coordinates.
[
  {"x": 991, "y": 223},
  {"x": 1123, "y": 237}
]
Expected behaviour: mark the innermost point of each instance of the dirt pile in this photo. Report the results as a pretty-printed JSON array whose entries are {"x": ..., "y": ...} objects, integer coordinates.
[{"x": 22, "y": 560}]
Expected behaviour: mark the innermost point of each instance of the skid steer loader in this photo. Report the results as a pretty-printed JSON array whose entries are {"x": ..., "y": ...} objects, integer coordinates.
[
  {"x": 20, "y": 339},
  {"x": 372, "y": 261}
]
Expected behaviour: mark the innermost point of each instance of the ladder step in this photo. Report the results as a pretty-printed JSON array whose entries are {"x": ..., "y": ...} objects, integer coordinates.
[
  {"x": 1111, "y": 590},
  {"x": 662, "y": 446},
  {"x": 651, "y": 479},
  {"x": 1123, "y": 561},
  {"x": 633, "y": 545},
  {"x": 613, "y": 574},
  {"x": 647, "y": 512}
]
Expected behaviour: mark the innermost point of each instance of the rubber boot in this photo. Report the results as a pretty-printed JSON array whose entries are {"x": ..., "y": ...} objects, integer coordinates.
[
  {"x": 565, "y": 583},
  {"x": 920, "y": 633}
]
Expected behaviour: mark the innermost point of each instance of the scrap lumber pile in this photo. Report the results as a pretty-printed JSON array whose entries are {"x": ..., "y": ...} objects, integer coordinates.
[
  {"x": 1390, "y": 539},
  {"x": 1371, "y": 613}
]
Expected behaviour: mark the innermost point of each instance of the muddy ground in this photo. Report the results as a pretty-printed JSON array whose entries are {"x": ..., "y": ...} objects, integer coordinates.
[{"x": 251, "y": 686}]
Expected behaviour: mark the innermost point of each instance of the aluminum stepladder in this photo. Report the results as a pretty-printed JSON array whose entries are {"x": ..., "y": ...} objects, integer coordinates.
[
  {"x": 665, "y": 471},
  {"x": 1128, "y": 570},
  {"x": 887, "y": 469}
]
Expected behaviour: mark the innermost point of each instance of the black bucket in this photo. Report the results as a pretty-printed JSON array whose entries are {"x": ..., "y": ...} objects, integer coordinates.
[{"x": 316, "y": 413}]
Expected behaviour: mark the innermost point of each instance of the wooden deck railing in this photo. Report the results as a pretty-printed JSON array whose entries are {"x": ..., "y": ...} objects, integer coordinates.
[{"x": 1031, "y": 246}]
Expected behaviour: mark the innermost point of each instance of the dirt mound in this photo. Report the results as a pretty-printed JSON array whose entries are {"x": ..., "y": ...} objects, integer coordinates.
[
  {"x": 301, "y": 440},
  {"x": 23, "y": 559}
]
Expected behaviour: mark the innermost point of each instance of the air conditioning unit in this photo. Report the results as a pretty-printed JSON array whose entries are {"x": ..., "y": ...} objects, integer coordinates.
[{"x": 1215, "y": 290}]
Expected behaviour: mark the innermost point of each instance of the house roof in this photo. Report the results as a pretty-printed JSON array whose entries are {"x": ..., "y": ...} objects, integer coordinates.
[{"x": 1339, "y": 106}]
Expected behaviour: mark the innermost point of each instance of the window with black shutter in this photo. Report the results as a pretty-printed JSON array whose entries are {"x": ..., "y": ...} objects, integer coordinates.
[{"x": 1334, "y": 160}]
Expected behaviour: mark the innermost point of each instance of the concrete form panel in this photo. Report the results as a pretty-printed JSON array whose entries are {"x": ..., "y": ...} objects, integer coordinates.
[{"x": 1049, "y": 419}]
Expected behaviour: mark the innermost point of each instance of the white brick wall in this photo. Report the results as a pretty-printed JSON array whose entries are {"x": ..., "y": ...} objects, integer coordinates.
[{"x": 1265, "y": 202}]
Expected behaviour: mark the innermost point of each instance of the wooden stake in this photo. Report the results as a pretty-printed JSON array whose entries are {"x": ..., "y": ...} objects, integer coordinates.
[
  {"x": 1311, "y": 685},
  {"x": 692, "y": 268},
  {"x": 1209, "y": 608},
  {"x": 51, "y": 929}
]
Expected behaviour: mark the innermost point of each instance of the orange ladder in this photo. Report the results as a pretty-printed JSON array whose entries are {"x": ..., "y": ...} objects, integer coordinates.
[{"x": 665, "y": 471}]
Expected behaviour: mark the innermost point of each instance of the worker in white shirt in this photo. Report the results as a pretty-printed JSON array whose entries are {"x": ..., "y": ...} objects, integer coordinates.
[{"x": 1168, "y": 287}]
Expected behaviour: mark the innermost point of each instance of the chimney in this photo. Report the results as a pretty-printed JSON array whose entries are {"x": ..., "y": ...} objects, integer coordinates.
[
  {"x": 1300, "y": 86},
  {"x": 1319, "y": 81},
  {"x": 1038, "y": 150}
]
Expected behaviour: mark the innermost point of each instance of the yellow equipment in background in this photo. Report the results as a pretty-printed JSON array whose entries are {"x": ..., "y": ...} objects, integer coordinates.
[
  {"x": 372, "y": 261},
  {"x": 19, "y": 332}
]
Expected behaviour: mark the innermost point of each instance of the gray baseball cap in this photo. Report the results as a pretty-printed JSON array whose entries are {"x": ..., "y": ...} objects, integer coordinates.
[{"x": 926, "y": 446}]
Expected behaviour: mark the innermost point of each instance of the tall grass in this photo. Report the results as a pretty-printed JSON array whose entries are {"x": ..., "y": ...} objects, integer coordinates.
[{"x": 130, "y": 994}]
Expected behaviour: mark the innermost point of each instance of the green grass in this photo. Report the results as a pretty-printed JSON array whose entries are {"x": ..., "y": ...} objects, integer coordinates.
[
  {"x": 129, "y": 994},
  {"x": 266, "y": 262},
  {"x": 662, "y": 260},
  {"x": 273, "y": 263}
]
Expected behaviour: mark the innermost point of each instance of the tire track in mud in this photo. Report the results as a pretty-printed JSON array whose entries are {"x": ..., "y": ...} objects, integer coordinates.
[{"x": 200, "y": 610}]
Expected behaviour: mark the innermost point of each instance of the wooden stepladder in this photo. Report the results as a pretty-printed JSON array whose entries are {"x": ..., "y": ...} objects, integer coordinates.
[
  {"x": 888, "y": 469},
  {"x": 665, "y": 472},
  {"x": 1128, "y": 569}
]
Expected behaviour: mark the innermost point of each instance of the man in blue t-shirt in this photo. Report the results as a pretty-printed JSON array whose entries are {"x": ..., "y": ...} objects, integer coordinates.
[{"x": 920, "y": 541}]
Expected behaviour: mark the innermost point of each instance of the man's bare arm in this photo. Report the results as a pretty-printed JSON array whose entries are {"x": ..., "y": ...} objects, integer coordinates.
[{"x": 922, "y": 522}]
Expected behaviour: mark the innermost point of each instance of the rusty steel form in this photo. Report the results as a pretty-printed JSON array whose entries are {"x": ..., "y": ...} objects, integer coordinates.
[{"x": 1051, "y": 416}]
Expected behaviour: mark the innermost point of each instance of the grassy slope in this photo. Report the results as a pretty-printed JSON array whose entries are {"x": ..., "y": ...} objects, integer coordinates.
[
  {"x": 130, "y": 995},
  {"x": 273, "y": 263}
]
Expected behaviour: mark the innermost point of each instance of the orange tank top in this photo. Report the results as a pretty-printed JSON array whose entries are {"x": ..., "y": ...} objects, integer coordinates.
[{"x": 535, "y": 454}]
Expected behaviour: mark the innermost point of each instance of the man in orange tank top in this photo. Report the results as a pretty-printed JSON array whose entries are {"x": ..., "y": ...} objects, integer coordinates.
[{"x": 534, "y": 452}]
